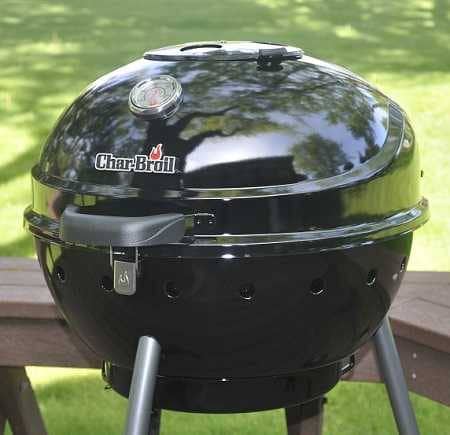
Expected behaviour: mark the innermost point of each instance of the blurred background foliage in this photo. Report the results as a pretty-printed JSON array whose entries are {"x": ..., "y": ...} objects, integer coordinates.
[{"x": 50, "y": 50}]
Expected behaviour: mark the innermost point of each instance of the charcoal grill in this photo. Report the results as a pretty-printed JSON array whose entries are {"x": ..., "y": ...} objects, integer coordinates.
[{"x": 245, "y": 209}]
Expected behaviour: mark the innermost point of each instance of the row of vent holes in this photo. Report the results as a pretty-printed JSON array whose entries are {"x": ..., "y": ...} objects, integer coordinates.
[
  {"x": 247, "y": 291},
  {"x": 172, "y": 291},
  {"x": 318, "y": 285},
  {"x": 170, "y": 288},
  {"x": 106, "y": 283}
]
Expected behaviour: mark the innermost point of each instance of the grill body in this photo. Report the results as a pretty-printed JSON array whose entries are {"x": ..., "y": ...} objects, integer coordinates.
[
  {"x": 301, "y": 183},
  {"x": 213, "y": 327}
]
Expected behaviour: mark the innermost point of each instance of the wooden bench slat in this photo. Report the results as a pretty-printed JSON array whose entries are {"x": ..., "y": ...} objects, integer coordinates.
[
  {"x": 43, "y": 343},
  {"x": 436, "y": 293},
  {"x": 426, "y": 277},
  {"x": 15, "y": 263},
  {"x": 426, "y": 369},
  {"x": 27, "y": 302},
  {"x": 26, "y": 294},
  {"x": 424, "y": 322},
  {"x": 31, "y": 277},
  {"x": 18, "y": 402},
  {"x": 20, "y": 310}
]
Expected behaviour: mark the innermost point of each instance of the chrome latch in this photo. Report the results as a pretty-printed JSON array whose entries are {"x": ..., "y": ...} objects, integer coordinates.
[
  {"x": 125, "y": 273},
  {"x": 348, "y": 366}
]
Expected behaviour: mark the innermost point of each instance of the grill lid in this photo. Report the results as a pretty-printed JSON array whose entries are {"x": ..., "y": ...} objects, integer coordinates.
[
  {"x": 241, "y": 130},
  {"x": 281, "y": 155}
]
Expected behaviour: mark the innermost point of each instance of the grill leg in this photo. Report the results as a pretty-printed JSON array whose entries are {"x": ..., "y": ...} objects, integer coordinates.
[
  {"x": 18, "y": 404},
  {"x": 155, "y": 422},
  {"x": 392, "y": 374},
  {"x": 142, "y": 388},
  {"x": 305, "y": 419}
]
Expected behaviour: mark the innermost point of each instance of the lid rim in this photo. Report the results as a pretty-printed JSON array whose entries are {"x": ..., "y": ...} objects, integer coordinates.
[
  {"x": 222, "y": 51},
  {"x": 349, "y": 236}
]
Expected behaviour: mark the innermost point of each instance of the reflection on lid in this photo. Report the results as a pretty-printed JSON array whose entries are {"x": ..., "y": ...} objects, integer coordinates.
[
  {"x": 225, "y": 150},
  {"x": 237, "y": 127}
]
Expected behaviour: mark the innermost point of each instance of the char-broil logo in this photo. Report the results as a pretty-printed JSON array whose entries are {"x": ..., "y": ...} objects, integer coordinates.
[{"x": 155, "y": 162}]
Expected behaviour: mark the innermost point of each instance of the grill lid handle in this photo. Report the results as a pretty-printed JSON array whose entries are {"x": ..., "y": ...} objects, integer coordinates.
[
  {"x": 80, "y": 227},
  {"x": 224, "y": 51}
]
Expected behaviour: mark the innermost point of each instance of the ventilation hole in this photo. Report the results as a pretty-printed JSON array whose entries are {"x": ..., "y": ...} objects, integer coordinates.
[
  {"x": 247, "y": 292},
  {"x": 403, "y": 264},
  {"x": 317, "y": 286},
  {"x": 195, "y": 46},
  {"x": 106, "y": 283},
  {"x": 60, "y": 273},
  {"x": 171, "y": 290},
  {"x": 371, "y": 277}
]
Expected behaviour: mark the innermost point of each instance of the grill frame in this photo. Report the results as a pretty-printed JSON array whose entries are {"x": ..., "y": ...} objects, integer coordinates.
[{"x": 282, "y": 282}]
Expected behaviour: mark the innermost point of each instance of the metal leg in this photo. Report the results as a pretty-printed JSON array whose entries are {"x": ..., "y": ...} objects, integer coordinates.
[
  {"x": 18, "y": 403},
  {"x": 305, "y": 419},
  {"x": 155, "y": 422},
  {"x": 142, "y": 387},
  {"x": 392, "y": 373}
]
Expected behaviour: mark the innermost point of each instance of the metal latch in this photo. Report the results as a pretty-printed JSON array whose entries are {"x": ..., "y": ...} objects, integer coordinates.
[
  {"x": 125, "y": 273},
  {"x": 169, "y": 228},
  {"x": 348, "y": 366},
  {"x": 271, "y": 58},
  {"x": 271, "y": 54}
]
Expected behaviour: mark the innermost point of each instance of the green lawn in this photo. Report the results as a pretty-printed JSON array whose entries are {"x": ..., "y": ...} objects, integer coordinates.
[
  {"x": 50, "y": 50},
  {"x": 74, "y": 402}
]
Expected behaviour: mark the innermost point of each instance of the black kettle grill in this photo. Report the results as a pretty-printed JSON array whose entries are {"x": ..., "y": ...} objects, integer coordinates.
[{"x": 249, "y": 207}]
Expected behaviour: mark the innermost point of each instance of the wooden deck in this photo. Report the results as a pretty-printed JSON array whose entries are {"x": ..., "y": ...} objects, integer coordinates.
[
  {"x": 420, "y": 320},
  {"x": 33, "y": 332}
]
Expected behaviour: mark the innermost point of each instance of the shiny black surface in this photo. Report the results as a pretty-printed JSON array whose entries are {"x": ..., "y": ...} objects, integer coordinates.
[
  {"x": 226, "y": 395},
  {"x": 310, "y": 181},
  {"x": 310, "y": 147},
  {"x": 270, "y": 211},
  {"x": 238, "y": 126},
  {"x": 210, "y": 329}
]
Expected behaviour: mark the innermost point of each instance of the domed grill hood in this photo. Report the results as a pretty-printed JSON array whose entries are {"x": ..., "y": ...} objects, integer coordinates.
[
  {"x": 239, "y": 125},
  {"x": 252, "y": 122},
  {"x": 249, "y": 207}
]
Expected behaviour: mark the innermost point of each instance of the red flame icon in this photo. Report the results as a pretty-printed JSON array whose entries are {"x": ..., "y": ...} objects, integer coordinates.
[{"x": 156, "y": 152}]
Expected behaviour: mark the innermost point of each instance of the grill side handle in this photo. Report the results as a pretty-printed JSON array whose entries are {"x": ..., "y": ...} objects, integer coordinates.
[{"x": 83, "y": 228}]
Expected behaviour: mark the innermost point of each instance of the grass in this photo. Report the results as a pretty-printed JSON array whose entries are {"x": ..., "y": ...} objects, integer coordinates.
[
  {"x": 66, "y": 397},
  {"x": 50, "y": 50}
]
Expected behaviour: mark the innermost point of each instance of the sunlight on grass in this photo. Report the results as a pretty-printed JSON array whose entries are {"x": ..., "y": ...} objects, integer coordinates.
[
  {"x": 51, "y": 47},
  {"x": 348, "y": 31},
  {"x": 19, "y": 140},
  {"x": 45, "y": 375}
]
